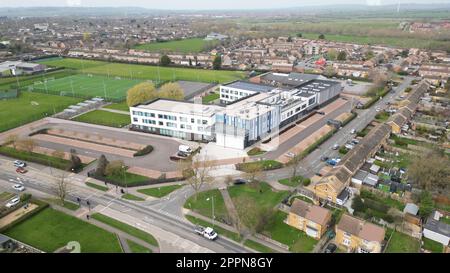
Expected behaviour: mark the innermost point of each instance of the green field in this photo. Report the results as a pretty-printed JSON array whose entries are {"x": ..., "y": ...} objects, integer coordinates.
[
  {"x": 193, "y": 45},
  {"x": 29, "y": 107},
  {"x": 263, "y": 195},
  {"x": 132, "y": 197},
  {"x": 50, "y": 230},
  {"x": 203, "y": 205},
  {"x": 137, "y": 248},
  {"x": 146, "y": 72},
  {"x": 160, "y": 191},
  {"x": 402, "y": 243},
  {"x": 121, "y": 106},
  {"x": 85, "y": 86},
  {"x": 105, "y": 118}
]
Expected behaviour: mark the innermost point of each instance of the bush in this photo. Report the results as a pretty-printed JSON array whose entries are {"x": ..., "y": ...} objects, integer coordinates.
[
  {"x": 375, "y": 205},
  {"x": 306, "y": 182},
  {"x": 145, "y": 151},
  {"x": 343, "y": 150},
  {"x": 401, "y": 142}
]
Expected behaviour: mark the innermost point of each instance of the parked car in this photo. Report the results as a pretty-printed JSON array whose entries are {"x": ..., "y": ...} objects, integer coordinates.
[
  {"x": 239, "y": 181},
  {"x": 378, "y": 109},
  {"x": 335, "y": 146},
  {"x": 324, "y": 158},
  {"x": 353, "y": 131},
  {"x": 185, "y": 149},
  {"x": 349, "y": 146},
  {"x": 290, "y": 154},
  {"x": 18, "y": 187},
  {"x": 331, "y": 248},
  {"x": 19, "y": 163},
  {"x": 13, "y": 202},
  {"x": 332, "y": 162},
  {"x": 21, "y": 170},
  {"x": 208, "y": 232},
  {"x": 182, "y": 154}
]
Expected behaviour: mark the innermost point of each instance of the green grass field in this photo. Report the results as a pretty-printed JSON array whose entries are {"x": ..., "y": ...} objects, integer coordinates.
[
  {"x": 132, "y": 197},
  {"x": 121, "y": 106},
  {"x": 192, "y": 45},
  {"x": 105, "y": 118},
  {"x": 402, "y": 243},
  {"x": 146, "y": 72},
  {"x": 137, "y": 248},
  {"x": 85, "y": 86},
  {"x": 263, "y": 195},
  {"x": 160, "y": 191},
  {"x": 29, "y": 107},
  {"x": 203, "y": 205},
  {"x": 50, "y": 230}
]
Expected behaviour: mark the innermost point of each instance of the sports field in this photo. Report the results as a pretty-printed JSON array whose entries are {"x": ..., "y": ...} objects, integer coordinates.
[
  {"x": 193, "y": 45},
  {"x": 85, "y": 86},
  {"x": 29, "y": 107},
  {"x": 145, "y": 72}
]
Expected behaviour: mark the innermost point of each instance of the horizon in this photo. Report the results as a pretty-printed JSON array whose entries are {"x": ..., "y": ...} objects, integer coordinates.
[{"x": 202, "y": 5}]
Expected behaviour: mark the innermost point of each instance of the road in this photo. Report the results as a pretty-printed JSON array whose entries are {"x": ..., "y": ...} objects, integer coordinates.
[{"x": 38, "y": 182}]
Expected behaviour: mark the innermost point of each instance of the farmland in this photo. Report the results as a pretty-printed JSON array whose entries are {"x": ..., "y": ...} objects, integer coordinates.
[
  {"x": 193, "y": 45},
  {"x": 29, "y": 107},
  {"x": 145, "y": 72}
]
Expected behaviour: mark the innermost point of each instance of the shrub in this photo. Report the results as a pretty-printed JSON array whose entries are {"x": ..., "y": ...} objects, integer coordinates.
[
  {"x": 145, "y": 151},
  {"x": 375, "y": 205},
  {"x": 401, "y": 142},
  {"x": 306, "y": 182}
]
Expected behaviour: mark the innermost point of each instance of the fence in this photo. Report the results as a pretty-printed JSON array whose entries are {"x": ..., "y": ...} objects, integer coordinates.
[
  {"x": 269, "y": 240},
  {"x": 23, "y": 246},
  {"x": 9, "y": 94}
]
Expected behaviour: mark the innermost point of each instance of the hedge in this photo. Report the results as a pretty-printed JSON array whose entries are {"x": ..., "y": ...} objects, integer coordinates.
[
  {"x": 41, "y": 206},
  {"x": 145, "y": 151},
  {"x": 149, "y": 181},
  {"x": 347, "y": 120},
  {"x": 43, "y": 159}
]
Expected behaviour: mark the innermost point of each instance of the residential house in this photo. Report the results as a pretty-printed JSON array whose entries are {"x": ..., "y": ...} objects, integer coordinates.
[
  {"x": 310, "y": 218},
  {"x": 437, "y": 230},
  {"x": 357, "y": 235}
]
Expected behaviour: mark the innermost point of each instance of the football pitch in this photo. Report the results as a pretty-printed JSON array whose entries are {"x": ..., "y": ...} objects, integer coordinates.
[
  {"x": 144, "y": 72},
  {"x": 84, "y": 86}
]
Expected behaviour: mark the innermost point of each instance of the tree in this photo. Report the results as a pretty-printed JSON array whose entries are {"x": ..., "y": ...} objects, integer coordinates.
[
  {"x": 140, "y": 93},
  {"x": 342, "y": 56},
  {"x": 165, "y": 60},
  {"x": 217, "y": 63},
  {"x": 369, "y": 55},
  {"x": 171, "y": 90},
  {"x": 431, "y": 171},
  {"x": 329, "y": 71},
  {"x": 61, "y": 187},
  {"x": 426, "y": 205},
  {"x": 199, "y": 170},
  {"x": 253, "y": 171},
  {"x": 115, "y": 168},
  {"x": 405, "y": 53},
  {"x": 299, "y": 35},
  {"x": 321, "y": 37},
  {"x": 190, "y": 62},
  {"x": 358, "y": 204},
  {"x": 58, "y": 154},
  {"x": 12, "y": 139},
  {"x": 101, "y": 166},
  {"x": 75, "y": 161},
  {"x": 332, "y": 54},
  {"x": 289, "y": 39},
  {"x": 294, "y": 164},
  {"x": 252, "y": 216},
  {"x": 26, "y": 144}
]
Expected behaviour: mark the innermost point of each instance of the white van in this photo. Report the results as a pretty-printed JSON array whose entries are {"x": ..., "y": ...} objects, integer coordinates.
[{"x": 185, "y": 149}]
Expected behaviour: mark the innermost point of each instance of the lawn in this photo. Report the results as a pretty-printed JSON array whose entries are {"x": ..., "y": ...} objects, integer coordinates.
[
  {"x": 203, "y": 205},
  {"x": 121, "y": 106},
  {"x": 220, "y": 231},
  {"x": 294, "y": 182},
  {"x": 402, "y": 243},
  {"x": 147, "y": 72},
  {"x": 263, "y": 195},
  {"x": 263, "y": 165},
  {"x": 210, "y": 98},
  {"x": 130, "y": 178},
  {"x": 255, "y": 151},
  {"x": 137, "y": 248},
  {"x": 105, "y": 118},
  {"x": 67, "y": 204},
  {"x": 98, "y": 187},
  {"x": 160, "y": 191},
  {"x": 192, "y": 45},
  {"x": 147, "y": 237},
  {"x": 85, "y": 86},
  {"x": 132, "y": 197},
  {"x": 385, "y": 200},
  {"x": 432, "y": 246},
  {"x": 303, "y": 198},
  {"x": 297, "y": 240},
  {"x": 50, "y": 230},
  {"x": 258, "y": 247},
  {"x": 29, "y": 107}
]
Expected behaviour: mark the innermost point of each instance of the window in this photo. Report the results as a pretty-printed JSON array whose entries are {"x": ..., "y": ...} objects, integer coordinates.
[
  {"x": 199, "y": 121},
  {"x": 171, "y": 125},
  {"x": 192, "y": 120},
  {"x": 346, "y": 242},
  {"x": 182, "y": 126},
  {"x": 152, "y": 115},
  {"x": 188, "y": 127},
  {"x": 161, "y": 123},
  {"x": 160, "y": 116},
  {"x": 182, "y": 119},
  {"x": 204, "y": 122},
  {"x": 135, "y": 119}
]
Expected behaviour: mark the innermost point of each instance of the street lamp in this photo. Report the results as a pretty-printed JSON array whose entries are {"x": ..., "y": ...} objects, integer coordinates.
[
  {"x": 125, "y": 177},
  {"x": 212, "y": 204}
]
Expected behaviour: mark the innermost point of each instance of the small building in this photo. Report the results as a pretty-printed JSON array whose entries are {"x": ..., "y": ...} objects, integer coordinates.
[
  {"x": 436, "y": 230},
  {"x": 310, "y": 218},
  {"x": 411, "y": 208},
  {"x": 374, "y": 169},
  {"x": 358, "y": 178},
  {"x": 371, "y": 180},
  {"x": 358, "y": 235}
]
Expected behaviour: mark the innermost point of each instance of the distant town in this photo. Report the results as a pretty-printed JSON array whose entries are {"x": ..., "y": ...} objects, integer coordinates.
[{"x": 234, "y": 132}]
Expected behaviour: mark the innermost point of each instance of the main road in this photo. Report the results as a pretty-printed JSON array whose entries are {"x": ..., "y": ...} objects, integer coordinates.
[{"x": 39, "y": 182}]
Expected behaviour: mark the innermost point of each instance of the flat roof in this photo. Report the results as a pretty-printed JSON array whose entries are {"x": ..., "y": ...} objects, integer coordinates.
[
  {"x": 317, "y": 85},
  {"x": 249, "y": 108},
  {"x": 180, "y": 107},
  {"x": 292, "y": 79},
  {"x": 249, "y": 86}
]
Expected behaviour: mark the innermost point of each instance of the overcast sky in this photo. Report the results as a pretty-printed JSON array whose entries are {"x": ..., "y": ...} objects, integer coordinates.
[{"x": 200, "y": 4}]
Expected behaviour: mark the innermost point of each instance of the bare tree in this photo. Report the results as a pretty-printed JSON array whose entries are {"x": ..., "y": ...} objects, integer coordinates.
[
  {"x": 61, "y": 187},
  {"x": 199, "y": 171},
  {"x": 294, "y": 164},
  {"x": 58, "y": 154},
  {"x": 12, "y": 139},
  {"x": 253, "y": 171},
  {"x": 27, "y": 144}
]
